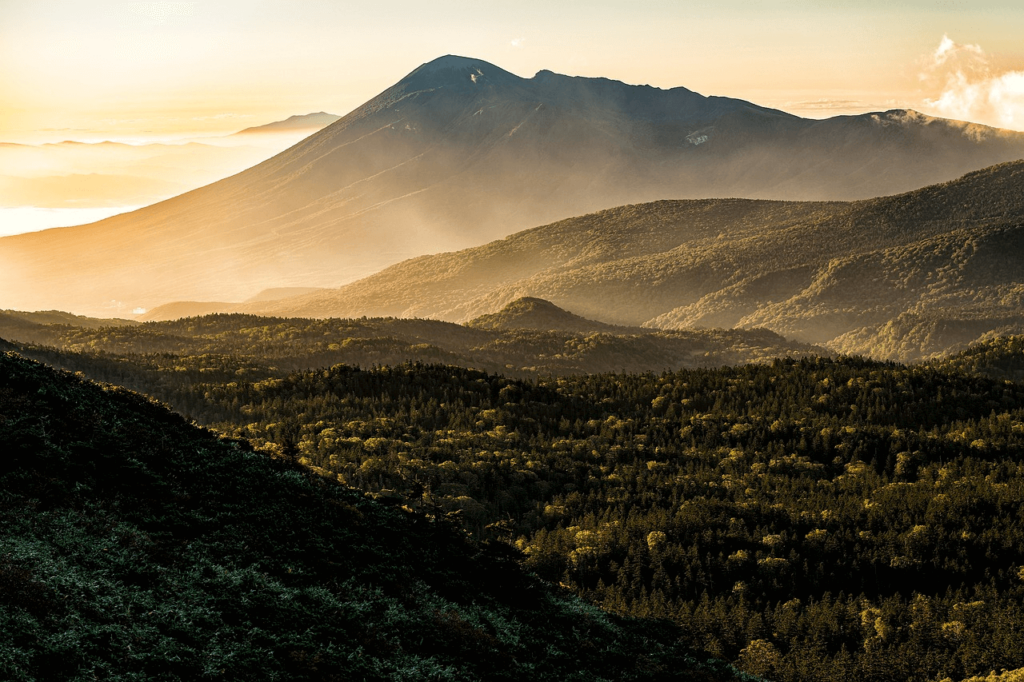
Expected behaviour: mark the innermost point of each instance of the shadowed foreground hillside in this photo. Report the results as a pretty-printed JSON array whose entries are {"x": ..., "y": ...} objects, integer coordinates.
[
  {"x": 137, "y": 547},
  {"x": 811, "y": 520}
]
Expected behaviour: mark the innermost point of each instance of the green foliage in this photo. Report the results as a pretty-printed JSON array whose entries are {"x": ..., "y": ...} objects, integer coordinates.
[
  {"x": 136, "y": 546},
  {"x": 1000, "y": 358},
  {"x": 273, "y": 346},
  {"x": 808, "y": 519}
]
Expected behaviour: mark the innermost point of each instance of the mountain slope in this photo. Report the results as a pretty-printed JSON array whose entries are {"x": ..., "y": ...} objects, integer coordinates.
[
  {"x": 813, "y": 271},
  {"x": 138, "y": 546},
  {"x": 459, "y": 152},
  {"x": 811, "y": 521}
]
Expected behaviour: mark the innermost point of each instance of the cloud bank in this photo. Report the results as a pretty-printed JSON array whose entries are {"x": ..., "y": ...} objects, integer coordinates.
[{"x": 971, "y": 89}]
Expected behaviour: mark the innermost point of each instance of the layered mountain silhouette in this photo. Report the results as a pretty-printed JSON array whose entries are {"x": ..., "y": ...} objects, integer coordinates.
[
  {"x": 530, "y": 337},
  {"x": 904, "y": 277},
  {"x": 460, "y": 152}
]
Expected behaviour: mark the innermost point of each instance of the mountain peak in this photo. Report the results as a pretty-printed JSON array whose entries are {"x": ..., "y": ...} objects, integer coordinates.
[
  {"x": 537, "y": 313},
  {"x": 450, "y": 61},
  {"x": 455, "y": 70}
]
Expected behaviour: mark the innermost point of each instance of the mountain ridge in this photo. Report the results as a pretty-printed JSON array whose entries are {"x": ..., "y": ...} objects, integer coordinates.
[
  {"x": 430, "y": 166},
  {"x": 313, "y": 121},
  {"x": 810, "y": 271}
]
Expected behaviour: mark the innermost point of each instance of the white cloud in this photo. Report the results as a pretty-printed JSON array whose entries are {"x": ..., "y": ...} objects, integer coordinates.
[
  {"x": 948, "y": 49},
  {"x": 971, "y": 90},
  {"x": 517, "y": 42}
]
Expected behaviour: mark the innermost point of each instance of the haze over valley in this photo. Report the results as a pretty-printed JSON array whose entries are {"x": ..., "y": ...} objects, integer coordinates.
[{"x": 57, "y": 184}]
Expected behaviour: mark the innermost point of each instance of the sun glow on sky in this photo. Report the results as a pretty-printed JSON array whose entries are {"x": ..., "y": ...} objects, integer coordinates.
[{"x": 163, "y": 70}]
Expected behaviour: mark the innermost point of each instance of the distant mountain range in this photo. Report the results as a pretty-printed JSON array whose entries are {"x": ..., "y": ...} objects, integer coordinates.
[
  {"x": 901, "y": 277},
  {"x": 460, "y": 152},
  {"x": 311, "y": 122}
]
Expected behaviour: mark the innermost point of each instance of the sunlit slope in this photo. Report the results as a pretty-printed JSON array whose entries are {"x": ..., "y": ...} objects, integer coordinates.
[
  {"x": 460, "y": 152},
  {"x": 810, "y": 271}
]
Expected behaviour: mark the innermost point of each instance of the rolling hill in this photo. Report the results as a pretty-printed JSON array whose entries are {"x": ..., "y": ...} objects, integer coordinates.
[
  {"x": 460, "y": 152},
  {"x": 902, "y": 277},
  {"x": 529, "y": 338}
]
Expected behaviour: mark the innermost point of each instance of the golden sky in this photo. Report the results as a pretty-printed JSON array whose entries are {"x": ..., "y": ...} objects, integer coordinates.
[{"x": 104, "y": 69}]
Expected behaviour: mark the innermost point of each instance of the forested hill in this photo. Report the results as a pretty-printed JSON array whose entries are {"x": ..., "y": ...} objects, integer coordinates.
[
  {"x": 137, "y": 546},
  {"x": 558, "y": 342},
  {"x": 538, "y": 314},
  {"x": 903, "y": 277},
  {"x": 811, "y": 520}
]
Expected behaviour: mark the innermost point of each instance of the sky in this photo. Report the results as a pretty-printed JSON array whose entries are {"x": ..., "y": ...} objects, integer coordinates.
[{"x": 143, "y": 71}]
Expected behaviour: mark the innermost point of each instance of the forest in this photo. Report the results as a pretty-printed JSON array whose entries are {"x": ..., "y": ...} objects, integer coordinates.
[
  {"x": 137, "y": 546},
  {"x": 807, "y": 518}
]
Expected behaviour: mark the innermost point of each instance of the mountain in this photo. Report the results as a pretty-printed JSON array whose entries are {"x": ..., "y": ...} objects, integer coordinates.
[
  {"x": 281, "y": 292},
  {"x": 460, "y": 152},
  {"x": 311, "y": 122},
  {"x": 57, "y": 317},
  {"x": 849, "y": 274},
  {"x": 137, "y": 545}
]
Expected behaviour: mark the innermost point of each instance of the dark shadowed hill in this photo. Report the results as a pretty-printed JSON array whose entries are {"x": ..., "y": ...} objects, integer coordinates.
[
  {"x": 460, "y": 152},
  {"x": 903, "y": 277},
  {"x": 536, "y": 313},
  {"x": 138, "y": 546}
]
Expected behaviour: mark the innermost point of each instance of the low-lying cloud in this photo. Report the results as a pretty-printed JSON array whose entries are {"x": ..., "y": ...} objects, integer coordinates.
[{"x": 971, "y": 89}]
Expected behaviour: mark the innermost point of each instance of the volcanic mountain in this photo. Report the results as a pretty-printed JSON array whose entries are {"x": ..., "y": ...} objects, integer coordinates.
[{"x": 460, "y": 152}]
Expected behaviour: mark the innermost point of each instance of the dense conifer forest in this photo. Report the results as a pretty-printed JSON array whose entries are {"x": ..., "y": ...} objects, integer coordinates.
[
  {"x": 806, "y": 519},
  {"x": 136, "y": 546},
  {"x": 559, "y": 343}
]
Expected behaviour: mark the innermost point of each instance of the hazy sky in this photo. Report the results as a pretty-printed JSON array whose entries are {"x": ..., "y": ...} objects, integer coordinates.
[{"x": 77, "y": 69}]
